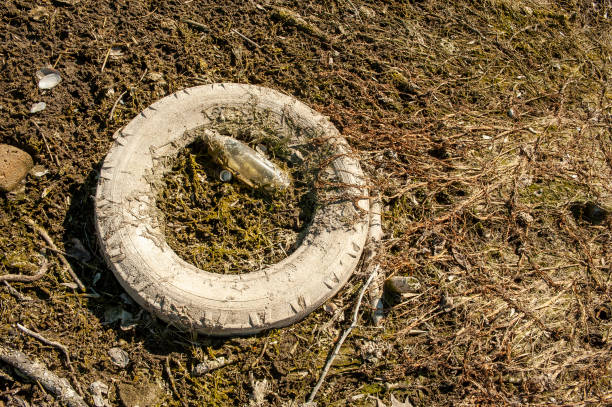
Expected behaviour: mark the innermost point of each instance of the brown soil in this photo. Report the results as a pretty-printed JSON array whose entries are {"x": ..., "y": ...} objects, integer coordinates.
[{"x": 485, "y": 126}]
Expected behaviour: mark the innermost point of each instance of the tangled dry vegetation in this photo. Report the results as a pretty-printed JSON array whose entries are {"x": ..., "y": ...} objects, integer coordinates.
[{"x": 486, "y": 127}]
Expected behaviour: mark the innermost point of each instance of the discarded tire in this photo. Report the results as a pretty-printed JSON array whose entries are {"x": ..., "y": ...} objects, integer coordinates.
[{"x": 130, "y": 227}]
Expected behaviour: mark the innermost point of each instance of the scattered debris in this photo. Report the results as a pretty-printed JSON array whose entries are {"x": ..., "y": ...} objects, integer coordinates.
[
  {"x": 119, "y": 357},
  {"x": 48, "y": 78},
  {"x": 38, "y": 107},
  {"x": 98, "y": 392},
  {"x": 373, "y": 352},
  {"x": 38, "y": 372},
  {"x": 208, "y": 365},
  {"x": 14, "y": 166},
  {"x": 260, "y": 389}
]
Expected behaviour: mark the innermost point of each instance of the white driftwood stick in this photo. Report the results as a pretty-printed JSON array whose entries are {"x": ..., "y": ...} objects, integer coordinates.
[
  {"x": 333, "y": 355},
  {"x": 39, "y": 372}
]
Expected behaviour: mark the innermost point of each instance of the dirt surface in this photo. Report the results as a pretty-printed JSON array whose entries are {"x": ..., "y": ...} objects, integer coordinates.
[{"x": 485, "y": 126}]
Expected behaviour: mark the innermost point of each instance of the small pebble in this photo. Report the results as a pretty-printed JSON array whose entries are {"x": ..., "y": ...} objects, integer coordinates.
[
  {"x": 38, "y": 107},
  {"x": 511, "y": 113},
  {"x": 119, "y": 357},
  {"x": 14, "y": 166}
]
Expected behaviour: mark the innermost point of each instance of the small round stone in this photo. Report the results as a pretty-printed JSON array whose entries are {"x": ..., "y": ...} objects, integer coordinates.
[{"x": 14, "y": 166}]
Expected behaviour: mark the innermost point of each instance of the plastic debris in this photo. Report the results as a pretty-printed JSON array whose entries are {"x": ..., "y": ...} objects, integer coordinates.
[
  {"x": 48, "y": 78},
  {"x": 119, "y": 357},
  {"x": 247, "y": 164},
  {"x": 38, "y": 107}
]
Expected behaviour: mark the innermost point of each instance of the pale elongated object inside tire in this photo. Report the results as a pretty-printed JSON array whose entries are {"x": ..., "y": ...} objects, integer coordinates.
[{"x": 130, "y": 227}]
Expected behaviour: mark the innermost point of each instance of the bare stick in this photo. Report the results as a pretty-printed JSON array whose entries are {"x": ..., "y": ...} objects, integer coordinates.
[
  {"x": 45, "y": 340},
  {"x": 25, "y": 278},
  {"x": 43, "y": 233},
  {"x": 16, "y": 293},
  {"x": 336, "y": 350},
  {"x": 55, "y": 345},
  {"x": 105, "y": 59},
  {"x": 247, "y": 39},
  {"x": 195, "y": 24},
  {"x": 112, "y": 112},
  {"x": 53, "y": 157},
  {"x": 38, "y": 372},
  {"x": 172, "y": 383}
]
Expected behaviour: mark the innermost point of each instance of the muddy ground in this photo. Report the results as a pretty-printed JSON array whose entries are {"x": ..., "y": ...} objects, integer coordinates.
[{"x": 485, "y": 126}]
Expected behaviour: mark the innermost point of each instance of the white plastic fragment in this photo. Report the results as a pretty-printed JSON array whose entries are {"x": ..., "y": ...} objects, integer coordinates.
[
  {"x": 247, "y": 164},
  {"x": 38, "y": 107},
  {"x": 48, "y": 78}
]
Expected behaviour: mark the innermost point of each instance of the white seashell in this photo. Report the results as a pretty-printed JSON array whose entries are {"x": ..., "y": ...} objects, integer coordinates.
[
  {"x": 48, "y": 78},
  {"x": 38, "y": 107}
]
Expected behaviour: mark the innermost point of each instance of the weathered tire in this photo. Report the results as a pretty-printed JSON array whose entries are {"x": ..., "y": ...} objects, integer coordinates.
[{"x": 130, "y": 228}]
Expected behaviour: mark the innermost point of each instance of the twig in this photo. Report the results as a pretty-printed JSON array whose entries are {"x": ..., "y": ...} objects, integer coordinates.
[
  {"x": 43, "y": 233},
  {"x": 110, "y": 116},
  {"x": 336, "y": 350},
  {"x": 263, "y": 351},
  {"x": 105, "y": 59},
  {"x": 16, "y": 293},
  {"x": 55, "y": 345},
  {"x": 25, "y": 278},
  {"x": 53, "y": 157},
  {"x": 247, "y": 39},
  {"x": 38, "y": 372},
  {"x": 195, "y": 24},
  {"x": 45, "y": 341},
  {"x": 172, "y": 383}
]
